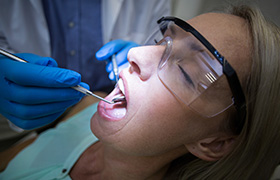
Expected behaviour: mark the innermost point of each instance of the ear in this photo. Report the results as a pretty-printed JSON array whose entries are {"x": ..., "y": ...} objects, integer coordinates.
[{"x": 212, "y": 149}]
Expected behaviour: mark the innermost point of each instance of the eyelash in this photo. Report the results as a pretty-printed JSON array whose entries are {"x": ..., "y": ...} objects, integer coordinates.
[{"x": 186, "y": 76}]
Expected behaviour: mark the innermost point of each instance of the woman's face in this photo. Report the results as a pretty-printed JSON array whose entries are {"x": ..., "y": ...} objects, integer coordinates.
[{"x": 152, "y": 121}]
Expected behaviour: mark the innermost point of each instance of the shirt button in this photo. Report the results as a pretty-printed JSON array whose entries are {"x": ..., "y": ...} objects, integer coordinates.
[
  {"x": 71, "y": 24},
  {"x": 64, "y": 170},
  {"x": 72, "y": 53}
]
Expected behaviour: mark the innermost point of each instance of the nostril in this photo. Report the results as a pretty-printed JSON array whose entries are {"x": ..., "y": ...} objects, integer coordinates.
[{"x": 135, "y": 68}]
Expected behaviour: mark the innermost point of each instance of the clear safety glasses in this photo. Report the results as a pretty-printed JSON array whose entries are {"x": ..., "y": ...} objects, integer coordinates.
[{"x": 194, "y": 71}]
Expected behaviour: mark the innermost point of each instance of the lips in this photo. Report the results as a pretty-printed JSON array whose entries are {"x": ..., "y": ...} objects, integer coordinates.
[{"x": 116, "y": 111}]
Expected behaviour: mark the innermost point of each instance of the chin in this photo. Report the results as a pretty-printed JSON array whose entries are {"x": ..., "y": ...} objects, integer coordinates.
[{"x": 111, "y": 118}]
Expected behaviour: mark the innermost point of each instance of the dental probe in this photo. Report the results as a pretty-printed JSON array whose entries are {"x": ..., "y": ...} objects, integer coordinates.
[
  {"x": 115, "y": 68},
  {"x": 116, "y": 73},
  {"x": 78, "y": 87}
]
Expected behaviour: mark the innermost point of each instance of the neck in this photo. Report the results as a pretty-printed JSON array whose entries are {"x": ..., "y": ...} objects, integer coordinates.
[
  {"x": 102, "y": 162},
  {"x": 123, "y": 166}
]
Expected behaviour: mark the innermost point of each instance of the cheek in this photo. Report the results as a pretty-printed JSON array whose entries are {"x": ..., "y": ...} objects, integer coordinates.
[
  {"x": 161, "y": 128},
  {"x": 167, "y": 126}
]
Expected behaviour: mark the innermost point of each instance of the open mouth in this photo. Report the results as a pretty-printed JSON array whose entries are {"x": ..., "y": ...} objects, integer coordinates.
[
  {"x": 121, "y": 96},
  {"x": 118, "y": 110}
]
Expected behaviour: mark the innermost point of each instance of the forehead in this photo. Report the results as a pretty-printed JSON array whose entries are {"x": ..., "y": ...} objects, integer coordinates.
[
  {"x": 217, "y": 26},
  {"x": 229, "y": 34}
]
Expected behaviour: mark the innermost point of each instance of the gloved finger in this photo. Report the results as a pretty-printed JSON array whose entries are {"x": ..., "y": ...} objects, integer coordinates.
[
  {"x": 30, "y": 112},
  {"x": 123, "y": 66},
  {"x": 35, "y": 59},
  {"x": 111, "y": 48},
  {"x": 121, "y": 57},
  {"x": 37, "y": 95},
  {"x": 36, "y": 75},
  {"x": 35, "y": 123}
]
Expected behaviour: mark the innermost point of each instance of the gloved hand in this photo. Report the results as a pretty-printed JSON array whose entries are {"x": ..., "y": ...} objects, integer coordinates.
[
  {"x": 118, "y": 47},
  {"x": 36, "y": 93}
]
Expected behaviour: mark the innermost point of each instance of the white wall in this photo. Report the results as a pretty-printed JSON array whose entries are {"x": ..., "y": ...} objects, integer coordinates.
[{"x": 187, "y": 9}]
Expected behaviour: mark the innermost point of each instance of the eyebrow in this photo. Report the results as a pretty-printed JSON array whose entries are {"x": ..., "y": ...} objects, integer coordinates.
[
  {"x": 196, "y": 47},
  {"x": 192, "y": 45}
]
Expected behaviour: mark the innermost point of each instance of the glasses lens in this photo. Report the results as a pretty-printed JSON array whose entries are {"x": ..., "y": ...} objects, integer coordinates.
[{"x": 192, "y": 74}]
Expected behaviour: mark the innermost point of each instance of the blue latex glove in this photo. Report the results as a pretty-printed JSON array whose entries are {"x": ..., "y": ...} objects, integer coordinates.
[
  {"x": 118, "y": 47},
  {"x": 36, "y": 93}
]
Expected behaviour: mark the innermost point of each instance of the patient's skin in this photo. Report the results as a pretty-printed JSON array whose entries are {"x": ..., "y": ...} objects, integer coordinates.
[{"x": 157, "y": 128}]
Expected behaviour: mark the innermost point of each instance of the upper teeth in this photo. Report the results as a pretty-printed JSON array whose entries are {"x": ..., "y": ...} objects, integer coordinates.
[{"x": 121, "y": 86}]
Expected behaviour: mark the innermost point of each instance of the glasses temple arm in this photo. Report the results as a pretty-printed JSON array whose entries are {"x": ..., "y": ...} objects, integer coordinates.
[{"x": 238, "y": 95}]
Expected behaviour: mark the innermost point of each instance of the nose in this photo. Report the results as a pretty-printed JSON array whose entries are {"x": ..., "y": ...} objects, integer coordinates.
[{"x": 144, "y": 60}]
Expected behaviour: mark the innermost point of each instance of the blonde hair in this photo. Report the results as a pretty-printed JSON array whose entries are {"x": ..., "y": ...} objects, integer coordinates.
[{"x": 257, "y": 152}]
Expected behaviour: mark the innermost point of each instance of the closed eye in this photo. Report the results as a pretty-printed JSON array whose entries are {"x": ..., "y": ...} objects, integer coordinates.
[{"x": 187, "y": 77}]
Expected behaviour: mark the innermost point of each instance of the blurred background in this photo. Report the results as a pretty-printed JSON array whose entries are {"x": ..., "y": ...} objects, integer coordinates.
[{"x": 187, "y": 9}]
